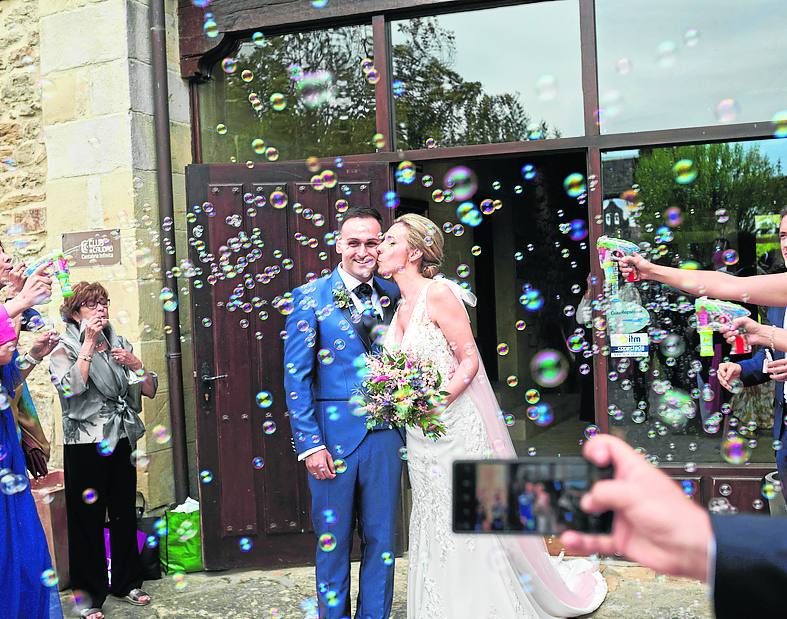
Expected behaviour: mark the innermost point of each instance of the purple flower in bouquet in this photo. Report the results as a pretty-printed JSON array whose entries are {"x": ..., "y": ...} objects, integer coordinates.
[{"x": 403, "y": 391}]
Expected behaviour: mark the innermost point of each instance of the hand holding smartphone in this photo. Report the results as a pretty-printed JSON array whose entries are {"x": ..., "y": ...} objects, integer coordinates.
[{"x": 535, "y": 496}]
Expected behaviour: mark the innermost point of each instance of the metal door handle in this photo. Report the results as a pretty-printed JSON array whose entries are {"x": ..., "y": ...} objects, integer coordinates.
[{"x": 207, "y": 379}]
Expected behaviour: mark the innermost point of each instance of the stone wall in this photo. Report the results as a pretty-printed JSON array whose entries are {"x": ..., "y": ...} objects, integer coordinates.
[
  {"x": 23, "y": 166},
  {"x": 78, "y": 152}
]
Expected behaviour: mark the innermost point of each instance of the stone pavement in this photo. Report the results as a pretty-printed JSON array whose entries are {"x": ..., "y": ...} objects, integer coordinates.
[{"x": 634, "y": 592}]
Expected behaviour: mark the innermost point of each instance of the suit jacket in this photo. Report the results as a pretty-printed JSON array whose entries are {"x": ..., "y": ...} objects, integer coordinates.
[
  {"x": 752, "y": 374},
  {"x": 750, "y": 575},
  {"x": 323, "y": 327}
]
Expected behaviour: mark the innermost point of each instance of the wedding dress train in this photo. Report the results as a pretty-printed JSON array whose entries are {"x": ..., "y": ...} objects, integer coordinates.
[{"x": 453, "y": 576}]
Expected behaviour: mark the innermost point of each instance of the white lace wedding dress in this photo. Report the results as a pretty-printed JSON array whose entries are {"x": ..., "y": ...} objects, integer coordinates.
[{"x": 455, "y": 576}]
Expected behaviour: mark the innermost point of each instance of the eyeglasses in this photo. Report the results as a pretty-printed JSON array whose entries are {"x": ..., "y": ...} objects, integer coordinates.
[{"x": 94, "y": 304}]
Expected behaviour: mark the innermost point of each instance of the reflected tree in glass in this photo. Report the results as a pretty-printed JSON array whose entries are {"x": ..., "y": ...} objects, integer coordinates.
[
  {"x": 435, "y": 103},
  {"x": 336, "y": 117}
]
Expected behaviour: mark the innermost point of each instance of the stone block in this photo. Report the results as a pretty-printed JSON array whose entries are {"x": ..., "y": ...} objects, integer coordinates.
[
  {"x": 65, "y": 199},
  {"x": 143, "y": 138},
  {"x": 141, "y": 76},
  {"x": 160, "y": 487},
  {"x": 139, "y": 46},
  {"x": 82, "y": 147},
  {"x": 108, "y": 89},
  {"x": 86, "y": 35},
  {"x": 51, "y": 7},
  {"x": 64, "y": 97}
]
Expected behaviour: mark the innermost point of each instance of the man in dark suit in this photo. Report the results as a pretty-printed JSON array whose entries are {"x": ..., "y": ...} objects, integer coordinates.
[
  {"x": 743, "y": 558},
  {"x": 766, "y": 364}
]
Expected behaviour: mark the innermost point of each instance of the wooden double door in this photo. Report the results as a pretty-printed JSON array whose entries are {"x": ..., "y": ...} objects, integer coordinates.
[{"x": 255, "y": 234}]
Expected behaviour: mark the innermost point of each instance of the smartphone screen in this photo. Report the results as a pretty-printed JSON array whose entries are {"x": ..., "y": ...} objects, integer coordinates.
[{"x": 538, "y": 496}]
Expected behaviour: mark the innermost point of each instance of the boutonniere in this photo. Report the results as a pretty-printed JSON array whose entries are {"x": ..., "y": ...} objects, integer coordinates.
[{"x": 341, "y": 298}]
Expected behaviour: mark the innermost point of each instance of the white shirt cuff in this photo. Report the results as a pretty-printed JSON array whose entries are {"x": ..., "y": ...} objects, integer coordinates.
[{"x": 309, "y": 452}]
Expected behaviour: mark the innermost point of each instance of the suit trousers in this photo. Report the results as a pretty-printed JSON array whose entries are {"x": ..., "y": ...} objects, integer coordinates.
[
  {"x": 98, "y": 485},
  {"x": 365, "y": 494}
]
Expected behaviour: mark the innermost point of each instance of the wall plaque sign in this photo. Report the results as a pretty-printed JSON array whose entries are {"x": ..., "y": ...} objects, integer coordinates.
[{"x": 92, "y": 248}]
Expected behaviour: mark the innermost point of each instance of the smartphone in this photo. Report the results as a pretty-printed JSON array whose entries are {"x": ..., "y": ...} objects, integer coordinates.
[{"x": 536, "y": 496}]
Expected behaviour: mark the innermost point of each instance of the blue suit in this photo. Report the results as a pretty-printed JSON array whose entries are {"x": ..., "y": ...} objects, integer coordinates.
[
  {"x": 752, "y": 374},
  {"x": 751, "y": 566},
  {"x": 367, "y": 492}
]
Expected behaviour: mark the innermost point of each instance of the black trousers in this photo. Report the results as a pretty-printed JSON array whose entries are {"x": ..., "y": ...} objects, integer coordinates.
[{"x": 110, "y": 483}]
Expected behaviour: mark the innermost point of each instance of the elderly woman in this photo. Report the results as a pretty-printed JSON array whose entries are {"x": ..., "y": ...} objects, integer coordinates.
[{"x": 100, "y": 383}]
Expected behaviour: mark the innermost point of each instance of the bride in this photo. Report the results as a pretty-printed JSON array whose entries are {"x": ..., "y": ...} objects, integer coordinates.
[{"x": 454, "y": 575}]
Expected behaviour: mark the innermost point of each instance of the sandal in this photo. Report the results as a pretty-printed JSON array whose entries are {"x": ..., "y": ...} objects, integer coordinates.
[
  {"x": 87, "y": 613},
  {"x": 135, "y": 597}
]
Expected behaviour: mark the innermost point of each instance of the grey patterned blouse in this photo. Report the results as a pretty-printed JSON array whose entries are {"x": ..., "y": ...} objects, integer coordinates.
[{"x": 108, "y": 405}]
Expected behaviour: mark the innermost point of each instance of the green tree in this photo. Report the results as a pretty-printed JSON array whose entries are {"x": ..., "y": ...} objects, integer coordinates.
[{"x": 733, "y": 184}]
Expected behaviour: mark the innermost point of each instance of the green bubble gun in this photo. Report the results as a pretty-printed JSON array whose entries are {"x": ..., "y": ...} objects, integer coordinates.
[
  {"x": 713, "y": 314},
  {"x": 610, "y": 250},
  {"x": 58, "y": 260}
]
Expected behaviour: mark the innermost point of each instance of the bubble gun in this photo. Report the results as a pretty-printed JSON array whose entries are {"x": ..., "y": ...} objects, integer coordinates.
[
  {"x": 610, "y": 250},
  {"x": 713, "y": 314},
  {"x": 58, "y": 260}
]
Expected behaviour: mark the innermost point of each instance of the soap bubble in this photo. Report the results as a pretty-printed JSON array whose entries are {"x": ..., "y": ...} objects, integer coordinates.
[
  {"x": 258, "y": 39},
  {"x": 502, "y": 349},
  {"x": 315, "y": 88},
  {"x": 89, "y": 496},
  {"x": 378, "y": 141},
  {"x": 549, "y": 368},
  {"x": 727, "y": 110},
  {"x": 245, "y": 544},
  {"x": 161, "y": 434},
  {"x": 49, "y": 578},
  {"x": 779, "y": 121},
  {"x": 229, "y": 65},
  {"x": 735, "y": 450},
  {"x": 675, "y": 408},
  {"x": 221, "y": 129},
  {"x": 532, "y": 396},
  {"x": 268, "y": 427},
  {"x": 730, "y": 257},
  {"x": 673, "y": 216},
  {"x": 462, "y": 181},
  {"x": 327, "y": 542},
  {"x": 205, "y": 476},
  {"x": 575, "y": 185},
  {"x": 722, "y": 215},
  {"x": 264, "y": 399},
  {"x": 684, "y": 171},
  {"x": 405, "y": 172},
  {"x": 278, "y": 102}
]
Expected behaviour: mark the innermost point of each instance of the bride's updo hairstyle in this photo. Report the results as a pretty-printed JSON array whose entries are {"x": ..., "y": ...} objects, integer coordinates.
[{"x": 425, "y": 236}]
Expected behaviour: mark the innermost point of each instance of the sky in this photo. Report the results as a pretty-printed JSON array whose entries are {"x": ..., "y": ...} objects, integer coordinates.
[{"x": 739, "y": 52}]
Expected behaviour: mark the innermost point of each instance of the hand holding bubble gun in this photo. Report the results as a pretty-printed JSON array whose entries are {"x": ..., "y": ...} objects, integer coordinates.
[
  {"x": 714, "y": 315},
  {"x": 59, "y": 262},
  {"x": 610, "y": 251}
]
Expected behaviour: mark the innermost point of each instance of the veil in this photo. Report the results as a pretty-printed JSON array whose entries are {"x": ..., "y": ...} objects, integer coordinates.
[{"x": 562, "y": 589}]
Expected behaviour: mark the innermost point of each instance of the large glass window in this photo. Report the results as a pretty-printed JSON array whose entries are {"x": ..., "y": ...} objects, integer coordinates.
[
  {"x": 499, "y": 75},
  {"x": 523, "y": 250},
  {"x": 674, "y": 63},
  {"x": 709, "y": 206},
  {"x": 291, "y": 97}
]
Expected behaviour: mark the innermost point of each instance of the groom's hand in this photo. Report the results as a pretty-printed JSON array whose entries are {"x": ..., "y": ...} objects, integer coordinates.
[{"x": 320, "y": 465}]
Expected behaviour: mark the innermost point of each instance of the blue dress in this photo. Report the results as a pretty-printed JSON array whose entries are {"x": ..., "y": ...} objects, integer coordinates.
[{"x": 24, "y": 555}]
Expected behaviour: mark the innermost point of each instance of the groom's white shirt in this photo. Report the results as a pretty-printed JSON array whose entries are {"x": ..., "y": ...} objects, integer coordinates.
[{"x": 351, "y": 283}]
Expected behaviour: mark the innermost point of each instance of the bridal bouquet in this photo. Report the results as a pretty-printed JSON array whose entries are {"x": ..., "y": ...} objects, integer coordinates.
[{"x": 401, "y": 390}]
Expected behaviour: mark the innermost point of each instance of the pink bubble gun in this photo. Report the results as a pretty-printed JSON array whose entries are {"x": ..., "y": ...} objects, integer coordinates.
[
  {"x": 610, "y": 251},
  {"x": 59, "y": 262},
  {"x": 712, "y": 315}
]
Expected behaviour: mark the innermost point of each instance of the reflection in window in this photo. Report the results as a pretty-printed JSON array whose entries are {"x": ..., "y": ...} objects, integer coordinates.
[
  {"x": 685, "y": 64},
  {"x": 291, "y": 97},
  {"x": 499, "y": 75},
  {"x": 713, "y": 206}
]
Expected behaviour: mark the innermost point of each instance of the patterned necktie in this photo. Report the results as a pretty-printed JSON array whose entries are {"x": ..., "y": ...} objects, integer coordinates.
[{"x": 364, "y": 293}]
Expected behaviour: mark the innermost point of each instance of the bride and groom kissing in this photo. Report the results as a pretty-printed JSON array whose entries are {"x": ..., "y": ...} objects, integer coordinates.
[{"x": 355, "y": 472}]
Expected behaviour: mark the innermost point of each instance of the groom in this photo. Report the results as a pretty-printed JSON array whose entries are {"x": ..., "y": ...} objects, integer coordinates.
[{"x": 354, "y": 473}]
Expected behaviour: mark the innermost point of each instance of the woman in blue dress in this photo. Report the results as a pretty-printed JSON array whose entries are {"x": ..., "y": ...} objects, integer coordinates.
[{"x": 28, "y": 585}]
